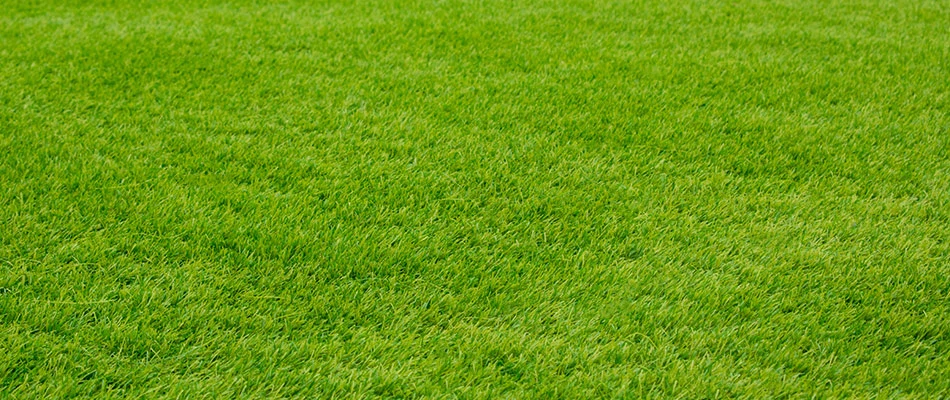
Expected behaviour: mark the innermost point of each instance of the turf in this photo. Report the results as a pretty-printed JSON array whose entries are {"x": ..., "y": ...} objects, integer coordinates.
[{"x": 475, "y": 199}]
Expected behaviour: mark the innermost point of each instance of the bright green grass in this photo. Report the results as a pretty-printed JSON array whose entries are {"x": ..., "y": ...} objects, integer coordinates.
[{"x": 552, "y": 199}]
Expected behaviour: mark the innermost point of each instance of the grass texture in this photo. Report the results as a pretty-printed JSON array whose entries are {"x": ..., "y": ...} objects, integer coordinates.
[{"x": 475, "y": 199}]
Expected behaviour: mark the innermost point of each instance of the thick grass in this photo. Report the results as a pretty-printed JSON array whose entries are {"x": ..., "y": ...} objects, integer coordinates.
[{"x": 475, "y": 199}]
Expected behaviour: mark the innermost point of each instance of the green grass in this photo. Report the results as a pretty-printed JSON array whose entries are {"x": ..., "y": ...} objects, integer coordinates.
[{"x": 475, "y": 199}]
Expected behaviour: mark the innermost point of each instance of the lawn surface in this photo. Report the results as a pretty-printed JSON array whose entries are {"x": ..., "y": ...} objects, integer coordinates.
[{"x": 475, "y": 199}]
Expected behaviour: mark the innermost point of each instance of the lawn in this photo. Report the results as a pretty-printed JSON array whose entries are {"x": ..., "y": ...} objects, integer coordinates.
[{"x": 475, "y": 199}]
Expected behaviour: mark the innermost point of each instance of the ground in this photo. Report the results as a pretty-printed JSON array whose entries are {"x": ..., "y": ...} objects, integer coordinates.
[{"x": 475, "y": 199}]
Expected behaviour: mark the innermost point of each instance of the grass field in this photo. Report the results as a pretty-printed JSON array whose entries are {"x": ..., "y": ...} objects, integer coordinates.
[{"x": 475, "y": 199}]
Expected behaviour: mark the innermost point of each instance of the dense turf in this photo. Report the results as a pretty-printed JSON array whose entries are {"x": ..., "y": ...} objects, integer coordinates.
[{"x": 475, "y": 198}]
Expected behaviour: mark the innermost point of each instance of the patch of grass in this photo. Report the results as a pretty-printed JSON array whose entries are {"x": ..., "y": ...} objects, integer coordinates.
[{"x": 477, "y": 199}]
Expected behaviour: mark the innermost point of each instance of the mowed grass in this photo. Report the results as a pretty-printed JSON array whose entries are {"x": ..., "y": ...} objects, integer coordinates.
[{"x": 475, "y": 199}]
